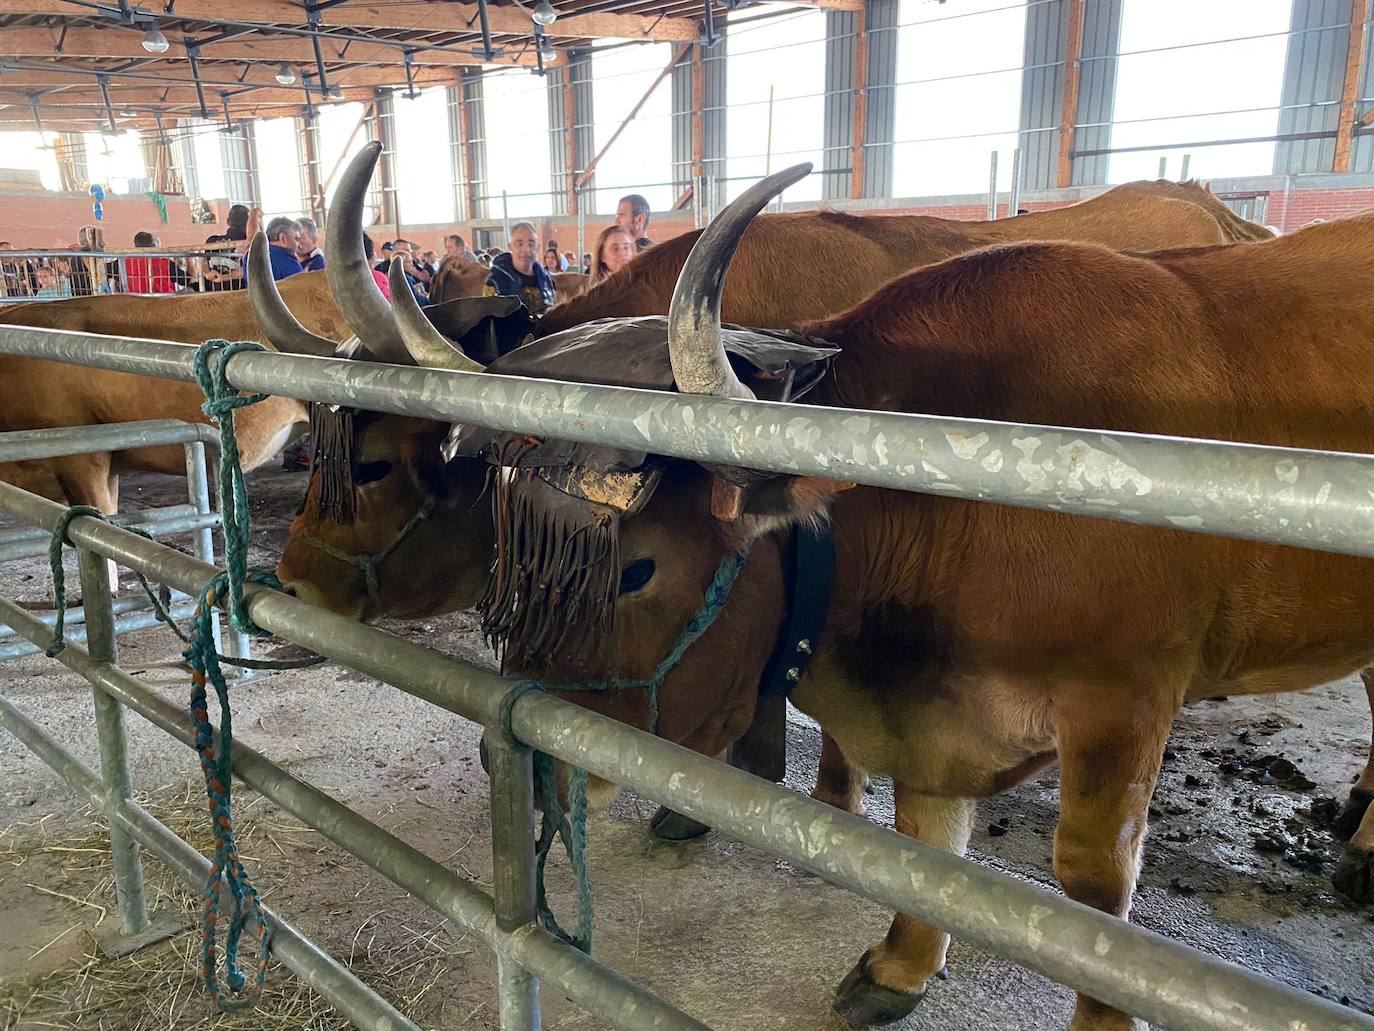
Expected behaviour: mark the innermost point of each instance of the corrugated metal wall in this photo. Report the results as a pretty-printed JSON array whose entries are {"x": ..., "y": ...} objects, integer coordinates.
[
  {"x": 454, "y": 97},
  {"x": 841, "y": 42},
  {"x": 1097, "y": 89},
  {"x": 880, "y": 125},
  {"x": 1042, "y": 90},
  {"x": 185, "y": 156},
  {"x": 477, "y": 132},
  {"x": 1313, "y": 74},
  {"x": 558, "y": 134},
  {"x": 1042, "y": 93},
  {"x": 584, "y": 127},
  {"x": 682, "y": 121},
  {"x": 236, "y": 154},
  {"x": 714, "y": 115}
]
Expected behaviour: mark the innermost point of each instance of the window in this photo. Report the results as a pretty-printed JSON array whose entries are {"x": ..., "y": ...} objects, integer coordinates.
[
  {"x": 958, "y": 95},
  {"x": 1201, "y": 89},
  {"x": 775, "y": 90},
  {"x": 116, "y": 162},
  {"x": 516, "y": 113},
  {"x": 209, "y": 159},
  {"x": 341, "y": 137},
  {"x": 32, "y": 151},
  {"x": 424, "y": 169},
  {"x": 276, "y": 157},
  {"x": 642, "y": 159}
]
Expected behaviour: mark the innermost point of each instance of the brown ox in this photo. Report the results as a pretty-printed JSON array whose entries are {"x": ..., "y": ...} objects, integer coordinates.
[
  {"x": 864, "y": 251},
  {"x": 438, "y": 564},
  {"x": 40, "y": 394},
  {"x": 458, "y": 277},
  {"x": 968, "y": 645}
]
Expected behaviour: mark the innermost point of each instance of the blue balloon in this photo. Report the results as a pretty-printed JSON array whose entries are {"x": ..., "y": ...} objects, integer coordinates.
[
  {"x": 98, "y": 192},
  {"x": 98, "y": 210}
]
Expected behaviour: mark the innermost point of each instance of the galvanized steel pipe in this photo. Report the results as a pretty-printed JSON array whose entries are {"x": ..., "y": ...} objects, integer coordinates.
[
  {"x": 60, "y": 441},
  {"x": 1313, "y": 499}
]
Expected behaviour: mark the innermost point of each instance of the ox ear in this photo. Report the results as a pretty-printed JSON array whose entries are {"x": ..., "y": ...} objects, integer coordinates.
[
  {"x": 424, "y": 462},
  {"x": 782, "y": 500}
]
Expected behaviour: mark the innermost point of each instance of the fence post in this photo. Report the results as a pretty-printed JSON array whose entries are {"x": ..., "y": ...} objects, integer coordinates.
[
  {"x": 1015, "y": 204},
  {"x": 198, "y": 488},
  {"x": 505, "y": 217},
  {"x": 992, "y": 187},
  {"x": 109, "y": 725},
  {"x": 1183, "y": 172},
  {"x": 512, "y": 854}
]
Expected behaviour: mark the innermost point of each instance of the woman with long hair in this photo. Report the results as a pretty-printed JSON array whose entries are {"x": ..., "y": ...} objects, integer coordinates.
[{"x": 614, "y": 249}]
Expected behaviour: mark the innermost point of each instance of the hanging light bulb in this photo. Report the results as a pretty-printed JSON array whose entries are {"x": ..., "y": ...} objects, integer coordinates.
[
  {"x": 543, "y": 13},
  {"x": 286, "y": 75},
  {"x": 154, "y": 41},
  {"x": 128, "y": 112},
  {"x": 335, "y": 93}
]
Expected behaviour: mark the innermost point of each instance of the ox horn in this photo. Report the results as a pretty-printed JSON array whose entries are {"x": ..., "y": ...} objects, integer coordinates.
[
  {"x": 427, "y": 346},
  {"x": 280, "y": 327},
  {"x": 694, "y": 343},
  {"x": 350, "y": 280}
]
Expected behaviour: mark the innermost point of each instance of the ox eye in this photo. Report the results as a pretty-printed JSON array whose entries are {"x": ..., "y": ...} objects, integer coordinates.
[
  {"x": 370, "y": 472},
  {"x": 636, "y": 575}
]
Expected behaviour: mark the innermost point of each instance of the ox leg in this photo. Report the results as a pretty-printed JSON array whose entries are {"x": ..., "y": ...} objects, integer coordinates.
[
  {"x": 890, "y": 978},
  {"x": 838, "y": 781},
  {"x": 1354, "y": 876},
  {"x": 1108, "y": 769},
  {"x": 1357, "y": 805}
]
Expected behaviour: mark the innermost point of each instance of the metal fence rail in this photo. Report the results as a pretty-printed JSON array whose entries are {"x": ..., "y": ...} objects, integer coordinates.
[
  {"x": 198, "y": 517},
  {"x": 1311, "y": 499},
  {"x": 54, "y": 274},
  {"x": 1320, "y": 499}
]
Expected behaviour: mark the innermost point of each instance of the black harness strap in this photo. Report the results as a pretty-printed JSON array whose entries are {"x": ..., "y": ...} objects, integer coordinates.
[{"x": 809, "y": 571}]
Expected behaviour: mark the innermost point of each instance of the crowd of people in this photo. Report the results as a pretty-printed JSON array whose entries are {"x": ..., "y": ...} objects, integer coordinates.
[{"x": 523, "y": 268}]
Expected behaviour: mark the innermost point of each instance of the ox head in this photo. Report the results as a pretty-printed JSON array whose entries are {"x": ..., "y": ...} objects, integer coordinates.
[
  {"x": 603, "y": 560},
  {"x": 381, "y": 501}
]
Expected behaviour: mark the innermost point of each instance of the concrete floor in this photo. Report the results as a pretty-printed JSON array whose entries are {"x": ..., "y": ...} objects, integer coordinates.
[{"x": 735, "y": 937}]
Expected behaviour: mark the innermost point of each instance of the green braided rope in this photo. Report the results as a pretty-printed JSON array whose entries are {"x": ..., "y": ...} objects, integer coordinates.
[
  {"x": 59, "y": 575},
  {"x": 221, "y": 399},
  {"x": 571, "y": 826}
]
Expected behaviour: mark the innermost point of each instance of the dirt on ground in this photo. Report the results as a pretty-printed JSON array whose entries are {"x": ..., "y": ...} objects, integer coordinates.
[{"x": 1237, "y": 862}]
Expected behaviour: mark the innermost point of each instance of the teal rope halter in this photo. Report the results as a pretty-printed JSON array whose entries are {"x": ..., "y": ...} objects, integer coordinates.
[{"x": 571, "y": 827}]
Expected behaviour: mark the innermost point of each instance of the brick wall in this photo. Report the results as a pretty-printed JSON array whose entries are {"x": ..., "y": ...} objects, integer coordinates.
[
  {"x": 46, "y": 219},
  {"x": 1295, "y": 209}
]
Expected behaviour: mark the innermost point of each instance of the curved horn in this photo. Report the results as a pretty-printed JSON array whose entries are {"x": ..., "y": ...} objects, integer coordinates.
[
  {"x": 350, "y": 280},
  {"x": 427, "y": 346},
  {"x": 694, "y": 344},
  {"x": 275, "y": 320}
]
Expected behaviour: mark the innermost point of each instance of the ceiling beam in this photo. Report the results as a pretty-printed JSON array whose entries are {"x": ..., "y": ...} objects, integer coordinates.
[
  {"x": 112, "y": 43},
  {"x": 403, "y": 14},
  {"x": 219, "y": 80}
]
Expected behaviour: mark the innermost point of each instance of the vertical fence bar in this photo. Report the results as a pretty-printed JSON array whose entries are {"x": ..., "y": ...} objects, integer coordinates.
[
  {"x": 581, "y": 227},
  {"x": 1163, "y": 167},
  {"x": 992, "y": 187},
  {"x": 109, "y": 725},
  {"x": 512, "y": 852},
  {"x": 505, "y": 217},
  {"x": 1014, "y": 205},
  {"x": 198, "y": 490},
  {"x": 1183, "y": 172}
]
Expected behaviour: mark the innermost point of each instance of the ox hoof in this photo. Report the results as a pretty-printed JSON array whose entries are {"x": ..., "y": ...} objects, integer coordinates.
[
  {"x": 1347, "y": 821},
  {"x": 862, "y": 1002},
  {"x": 671, "y": 826},
  {"x": 1354, "y": 876}
]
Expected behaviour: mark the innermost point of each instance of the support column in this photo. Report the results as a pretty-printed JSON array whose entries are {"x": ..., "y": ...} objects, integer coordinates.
[
  {"x": 570, "y": 127},
  {"x": 1068, "y": 117},
  {"x": 1350, "y": 90},
  {"x": 860, "y": 119},
  {"x": 307, "y": 136}
]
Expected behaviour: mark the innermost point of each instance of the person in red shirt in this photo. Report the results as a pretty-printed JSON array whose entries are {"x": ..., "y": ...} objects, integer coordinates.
[{"x": 149, "y": 275}]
